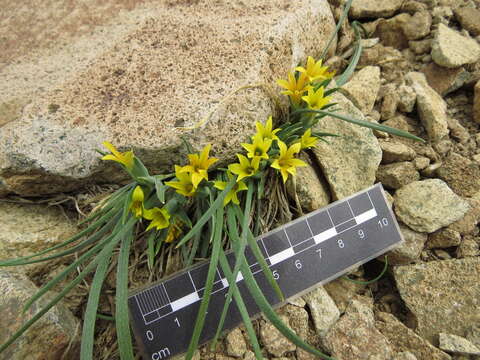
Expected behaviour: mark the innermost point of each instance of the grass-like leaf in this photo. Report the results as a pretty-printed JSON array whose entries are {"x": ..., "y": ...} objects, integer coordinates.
[
  {"x": 214, "y": 206},
  {"x": 217, "y": 248},
  {"x": 122, "y": 324},
  {"x": 373, "y": 280},
  {"x": 88, "y": 328},
  {"x": 337, "y": 28}
]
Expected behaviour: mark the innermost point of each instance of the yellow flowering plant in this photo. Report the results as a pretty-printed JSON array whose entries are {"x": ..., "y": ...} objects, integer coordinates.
[{"x": 202, "y": 211}]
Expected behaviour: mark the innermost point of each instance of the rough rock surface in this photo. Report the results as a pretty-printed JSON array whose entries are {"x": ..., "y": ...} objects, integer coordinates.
[
  {"x": 439, "y": 290},
  {"x": 342, "y": 291},
  {"x": 354, "y": 336},
  {"x": 362, "y": 89},
  {"x": 450, "y": 49},
  {"x": 312, "y": 190},
  {"x": 444, "y": 238},
  {"x": 476, "y": 103},
  {"x": 409, "y": 251},
  {"x": 444, "y": 80},
  {"x": 27, "y": 229},
  {"x": 49, "y": 338},
  {"x": 431, "y": 107},
  {"x": 428, "y": 205},
  {"x": 323, "y": 310},
  {"x": 236, "y": 345},
  {"x": 349, "y": 162},
  {"x": 396, "y": 175},
  {"x": 457, "y": 345},
  {"x": 140, "y": 91},
  {"x": 404, "y": 339},
  {"x": 275, "y": 343},
  {"x": 374, "y": 9},
  {"x": 393, "y": 152},
  {"x": 468, "y": 18},
  {"x": 461, "y": 174},
  {"x": 397, "y": 31}
]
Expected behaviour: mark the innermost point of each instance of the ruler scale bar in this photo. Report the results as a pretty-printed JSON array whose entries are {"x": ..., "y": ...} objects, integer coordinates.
[{"x": 302, "y": 254}]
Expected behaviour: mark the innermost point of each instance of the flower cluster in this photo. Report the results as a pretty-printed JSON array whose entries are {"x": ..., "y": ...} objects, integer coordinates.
[{"x": 310, "y": 81}]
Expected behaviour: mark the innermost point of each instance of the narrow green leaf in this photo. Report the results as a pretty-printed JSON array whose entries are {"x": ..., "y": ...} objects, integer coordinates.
[
  {"x": 125, "y": 347},
  {"x": 160, "y": 189},
  {"x": 216, "y": 204},
  {"x": 373, "y": 280},
  {"x": 126, "y": 205},
  {"x": 151, "y": 249},
  {"x": 366, "y": 124},
  {"x": 337, "y": 28},
  {"x": 241, "y": 307},
  {"x": 88, "y": 328},
  {"x": 88, "y": 269},
  {"x": 212, "y": 269}
]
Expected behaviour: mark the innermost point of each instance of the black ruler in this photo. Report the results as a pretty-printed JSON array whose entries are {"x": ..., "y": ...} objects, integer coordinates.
[{"x": 302, "y": 254}]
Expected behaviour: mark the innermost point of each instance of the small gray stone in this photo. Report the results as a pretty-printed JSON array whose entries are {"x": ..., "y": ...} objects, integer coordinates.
[
  {"x": 362, "y": 89},
  {"x": 443, "y": 238},
  {"x": 389, "y": 102},
  {"x": 249, "y": 355},
  {"x": 443, "y": 296},
  {"x": 407, "y": 355},
  {"x": 450, "y": 49},
  {"x": 457, "y": 345},
  {"x": 342, "y": 292},
  {"x": 236, "y": 345},
  {"x": 323, "y": 310},
  {"x": 275, "y": 343},
  {"x": 428, "y": 205},
  {"x": 355, "y": 337},
  {"x": 349, "y": 162},
  {"x": 396, "y": 175},
  {"x": 49, "y": 337},
  {"x": 406, "y": 98},
  {"x": 395, "y": 151},
  {"x": 297, "y": 318},
  {"x": 374, "y": 9},
  {"x": 431, "y": 107},
  {"x": 403, "y": 338},
  {"x": 421, "y": 162},
  {"x": 443, "y": 80},
  {"x": 468, "y": 223},
  {"x": 468, "y": 18},
  {"x": 410, "y": 250},
  {"x": 420, "y": 47},
  {"x": 469, "y": 247}
]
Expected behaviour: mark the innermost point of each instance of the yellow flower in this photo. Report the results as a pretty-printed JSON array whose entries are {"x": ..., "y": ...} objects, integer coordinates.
[
  {"x": 315, "y": 71},
  {"x": 125, "y": 158},
  {"x": 174, "y": 231},
  {"x": 244, "y": 168},
  {"x": 307, "y": 141},
  {"x": 159, "y": 218},
  {"x": 266, "y": 132},
  {"x": 184, "y": 185},
  {"x": 316, "y": 99},
  {"x": 294, "y": 87},
  {"x": 286, "y": 162},
  {"x": 136, "y": 203},
  {"x": 259, "y": 147},
  {"x": 232, "y": 194},
  {"x": 199, "y": 165}
]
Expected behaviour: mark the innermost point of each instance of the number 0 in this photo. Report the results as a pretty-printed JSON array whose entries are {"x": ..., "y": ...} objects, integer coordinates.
[{"x": 149, "y": 335}]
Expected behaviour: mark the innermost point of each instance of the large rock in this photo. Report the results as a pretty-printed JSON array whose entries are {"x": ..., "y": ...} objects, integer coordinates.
[
  {"x": 362, "y": 9},
  {"x": 28, "y": 229},
  {"x": 444, "y": 296},
  {"x": 350, "y": 161},
  {"x": 49, "y": 338},
  {"x": 431, "y": 107},
  {"x": 450, "y": 49},
  {"x": 404, "y": 339},
  {"x": 354, "y": 336},
  {"x": 362, "y": 89},
  {"x": 172, "y": 65},
  {"x": 428, "y": 205}
]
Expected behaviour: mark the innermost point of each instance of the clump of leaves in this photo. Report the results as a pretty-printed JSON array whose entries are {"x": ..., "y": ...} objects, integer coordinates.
[{"x": 204, "y": 212}]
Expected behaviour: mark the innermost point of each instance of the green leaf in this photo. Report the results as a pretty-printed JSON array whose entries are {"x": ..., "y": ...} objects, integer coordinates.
[
  {"x": 139, "y": 170},
  {"x": 373, "y": 280},
  {"x": 366, "y": 124},
  {"x": 216, "y": 204},
  {"x": 160, "y": 189},
  {"x": 126, "y": 205},
  {"x": 125, "y": 347},
  {"x": 347, "y": 74},
  {"x": 337, "y": 28},
  {"x": 151, "y": 249},
  {"x": 212, "y": 269},
  {"x": 88, "y": 328},
  {"x": 240, "y": 306},
  {"x": 88, "y": 269}
]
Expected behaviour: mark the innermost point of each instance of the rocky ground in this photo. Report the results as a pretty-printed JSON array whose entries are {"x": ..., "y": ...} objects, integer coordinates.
[{"x": 419, "y": 72}]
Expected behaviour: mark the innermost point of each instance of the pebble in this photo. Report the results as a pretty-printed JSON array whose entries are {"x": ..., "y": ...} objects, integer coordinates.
[
  {"x": 451, "y": 50},
  {"x": 410, "y": 250},
  {"x": 469, "y": 247},
  {"x": 363, "y": 88},
  {"x": 406, "y": 98},
  {"x": 457, "y": 345},
  {"x": 394, "y": 151},
  {"x": 444, "y": 80},
  {"x": 235, "y": 343},
  {"x": 374, "y": 9},
  {"x": 275, "y": 343},
  {"x": 396, "y": 175},
  {"x": 443, "y": 238},
  {"x": 421, "y": 162},
  {"x": 322, "y": 309},
  {"x": 468, "y": 18}
]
